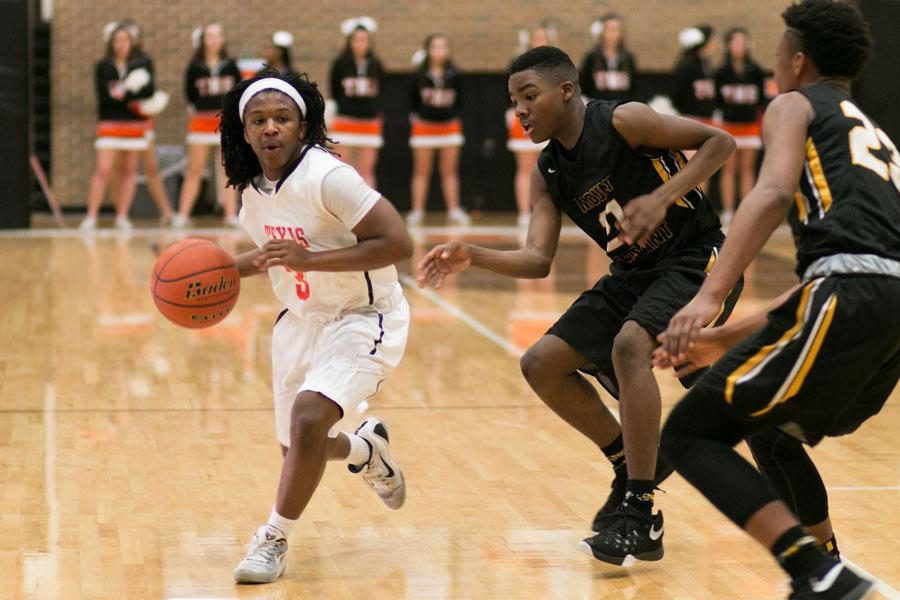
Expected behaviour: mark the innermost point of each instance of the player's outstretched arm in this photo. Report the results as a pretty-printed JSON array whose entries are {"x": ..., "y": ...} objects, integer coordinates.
[
  {"x": 764, "y": 208},
  {"x": 530, "y": 262},
  {"x": 643, "y": 127}
]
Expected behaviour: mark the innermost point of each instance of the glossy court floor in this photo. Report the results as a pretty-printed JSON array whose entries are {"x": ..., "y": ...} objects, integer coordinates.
[{"x": 136, "y": 458}]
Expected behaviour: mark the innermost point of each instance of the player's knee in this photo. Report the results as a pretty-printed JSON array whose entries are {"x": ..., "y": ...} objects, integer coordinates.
[
  {"x": 534, "y": 365},
  {"x": 773, "y": 448},
  {"x": 632, "y": 347},
  {"x": 311, "y": 419}
]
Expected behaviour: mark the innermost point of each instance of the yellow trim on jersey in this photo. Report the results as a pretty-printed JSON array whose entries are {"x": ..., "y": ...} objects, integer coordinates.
[
  {"x": 807, "y": 358},
  {"x": 800, "y": 201},
  {"x": 664, "y": 175},
  {"x": 802, "y": 308},
  {"x": 818, "y": 173},
  {"x": 709, "y": 265}
]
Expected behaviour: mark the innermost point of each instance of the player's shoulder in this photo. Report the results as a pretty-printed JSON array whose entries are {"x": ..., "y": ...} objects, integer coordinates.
[{"x": 790, "y": 105}]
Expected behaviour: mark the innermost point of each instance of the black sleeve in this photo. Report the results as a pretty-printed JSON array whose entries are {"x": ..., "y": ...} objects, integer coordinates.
[
  {"x": 104, "y": 74},
  {"x": 586, "y": 76},
  {"x": 334, "y": 81},
  {"x": 761, "y": 88},
  {"x": 718, "y": 79},
  {"x": 632, "y": 71},
  {"x": 190, "y": 90},
  {"x": 415, "y": 100},
  {"x": 681, "y": 83},
  {"x": 458, "y": 86},
  {"x": 231, "y": 68}
]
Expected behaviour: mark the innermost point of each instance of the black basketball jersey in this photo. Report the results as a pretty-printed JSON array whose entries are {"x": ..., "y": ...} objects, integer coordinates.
[
  {"x": 602, "y": 173},
  {"x": 849, "y": 198}
]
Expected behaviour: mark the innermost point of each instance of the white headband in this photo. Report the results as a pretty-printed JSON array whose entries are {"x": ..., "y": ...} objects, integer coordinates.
[{"x": 270, "y": 83}]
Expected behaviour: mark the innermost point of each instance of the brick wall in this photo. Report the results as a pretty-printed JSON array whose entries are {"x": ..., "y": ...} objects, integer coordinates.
[{"x": 482, "y": 35}]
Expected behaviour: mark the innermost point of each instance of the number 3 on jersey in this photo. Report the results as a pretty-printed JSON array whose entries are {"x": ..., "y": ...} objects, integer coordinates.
[
  {"x": 302, "y": 284},
  {"x": 612, "y": 213},
  {"x": 864, "y": 139}
]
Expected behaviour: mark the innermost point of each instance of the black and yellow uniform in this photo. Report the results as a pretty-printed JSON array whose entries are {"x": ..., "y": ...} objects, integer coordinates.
[
  {"x": 606, "y": 78},
  {"x": 829, "y": 356},
  {"x": 591, "y": 183}
]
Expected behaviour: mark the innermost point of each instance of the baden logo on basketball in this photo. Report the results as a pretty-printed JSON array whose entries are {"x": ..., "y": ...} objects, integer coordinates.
[{"x": 204, "y": 290}]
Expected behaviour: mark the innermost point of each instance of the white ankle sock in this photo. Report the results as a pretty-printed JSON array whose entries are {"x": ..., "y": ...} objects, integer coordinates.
[
  {"x": 280, "y": 523},
  {"x": 360, "y": 450}
]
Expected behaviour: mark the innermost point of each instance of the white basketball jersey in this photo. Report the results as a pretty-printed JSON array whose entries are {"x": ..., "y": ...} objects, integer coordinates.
[{"x": 296, "y": 211}]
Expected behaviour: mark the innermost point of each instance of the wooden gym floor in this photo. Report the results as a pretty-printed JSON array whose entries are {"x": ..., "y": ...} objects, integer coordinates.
[{"x": 137, "y": 458}]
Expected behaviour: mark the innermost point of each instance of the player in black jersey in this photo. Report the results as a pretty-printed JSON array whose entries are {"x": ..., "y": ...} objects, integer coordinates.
[
  {"x": 603, "y": 161},
  {"x": 827, "y": 356}
]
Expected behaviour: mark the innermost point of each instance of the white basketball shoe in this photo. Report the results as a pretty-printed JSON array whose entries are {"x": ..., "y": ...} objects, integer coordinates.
[
  {"x": 265, "y": 560},
  {"x": 382, "y": 472}
]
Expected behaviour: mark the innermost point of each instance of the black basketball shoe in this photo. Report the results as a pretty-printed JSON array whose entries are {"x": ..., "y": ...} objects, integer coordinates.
[
  {"x": 617, "y": 491},
  {"x": 628, "y": 535},
  {"x": 840, "y": 583}
]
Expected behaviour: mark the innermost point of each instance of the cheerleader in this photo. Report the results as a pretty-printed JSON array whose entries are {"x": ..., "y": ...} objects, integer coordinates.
[
  {"x": 356, "y": 77},
  {"x": 209, "y": 76},
  {"x": 120, "y": 77},
  {"x": 608, "y": 69},
  {"x": 148, "y": 108},
  {"x": 694, "y": 91},
  {"x": 277, "y": 53},
  {"x": 526, "y": 151},
  {"x": 740, "y": 96},
  {"x": 436, "y": 102}
]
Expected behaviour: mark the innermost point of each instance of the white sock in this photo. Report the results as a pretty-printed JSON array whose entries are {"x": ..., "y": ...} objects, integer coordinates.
[
  {"x": 280, "y": 523},
  {"x": 360, "y": 450}
]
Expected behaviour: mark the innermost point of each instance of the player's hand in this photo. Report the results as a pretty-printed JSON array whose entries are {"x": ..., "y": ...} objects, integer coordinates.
[
  {"x": 706, "y": 347},
  {"x": 442, "y": 261},
  {"x": 641, "y": 218},
  {"x": 284, "y": 253},
  {"x": 686, "y": 325}
]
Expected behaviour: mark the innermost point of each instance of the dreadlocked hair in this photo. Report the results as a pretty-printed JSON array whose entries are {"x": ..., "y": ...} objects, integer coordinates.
[
  {"x": 238, "y": 158},
  {"x": 833, "y": 34}
]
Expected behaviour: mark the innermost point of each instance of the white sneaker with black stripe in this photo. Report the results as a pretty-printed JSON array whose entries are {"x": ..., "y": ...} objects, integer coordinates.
[
  {"x": 265, "y": 560},
  {"x": 382, "y": 472}
]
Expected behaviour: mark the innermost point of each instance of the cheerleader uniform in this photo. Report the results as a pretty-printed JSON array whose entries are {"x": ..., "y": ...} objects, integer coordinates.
[
  {"x": 356, "y": 89},
  {"x": 205, "y": 88},
  {"x": 741, "y": 98},
  {"x": 694, "y": 92},
  {"x": 608, "y": 78},
  {"x": 436, "y": 104},
  {"x": 119, "y": 127}
]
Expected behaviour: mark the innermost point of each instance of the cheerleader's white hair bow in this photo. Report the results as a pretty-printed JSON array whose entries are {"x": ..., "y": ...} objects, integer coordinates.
[
  {"x": 108, "y": 30},
  {"x": 283, "y": 39},
  {"x": 690, "y": 38},
  {"x": 350, "y": 25},
  {"x": 196, "y": 34},
  {"x": 596, "y": 29}
]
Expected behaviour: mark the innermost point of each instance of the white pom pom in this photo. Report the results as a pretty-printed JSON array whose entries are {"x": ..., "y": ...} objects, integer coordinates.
[
  {"x": 524, "y": 40},
  {"x": 419, "y": 56},
  {"x": 283, "y": 39},
  {"x": 136, "y": 80},
  {"x": 690, "y": 38},
  {"x": 151, "y": 106}
]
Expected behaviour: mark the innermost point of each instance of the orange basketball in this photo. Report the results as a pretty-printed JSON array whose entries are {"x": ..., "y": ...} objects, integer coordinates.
[{"x": 195, "y": 283}]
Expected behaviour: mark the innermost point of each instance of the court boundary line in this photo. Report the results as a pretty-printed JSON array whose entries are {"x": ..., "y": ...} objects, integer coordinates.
[{"x": 883, "y": 587}]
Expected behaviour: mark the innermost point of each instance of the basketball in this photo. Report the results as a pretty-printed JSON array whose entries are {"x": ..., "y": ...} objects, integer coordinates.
[{"x": 195, "y": 283}]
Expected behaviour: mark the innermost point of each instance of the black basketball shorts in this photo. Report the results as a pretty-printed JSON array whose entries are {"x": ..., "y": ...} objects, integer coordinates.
[{"x": 649, "y": 296}]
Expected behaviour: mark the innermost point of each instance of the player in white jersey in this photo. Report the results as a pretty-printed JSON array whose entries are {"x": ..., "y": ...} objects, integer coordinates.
[{"x": 328, "y": 242}]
